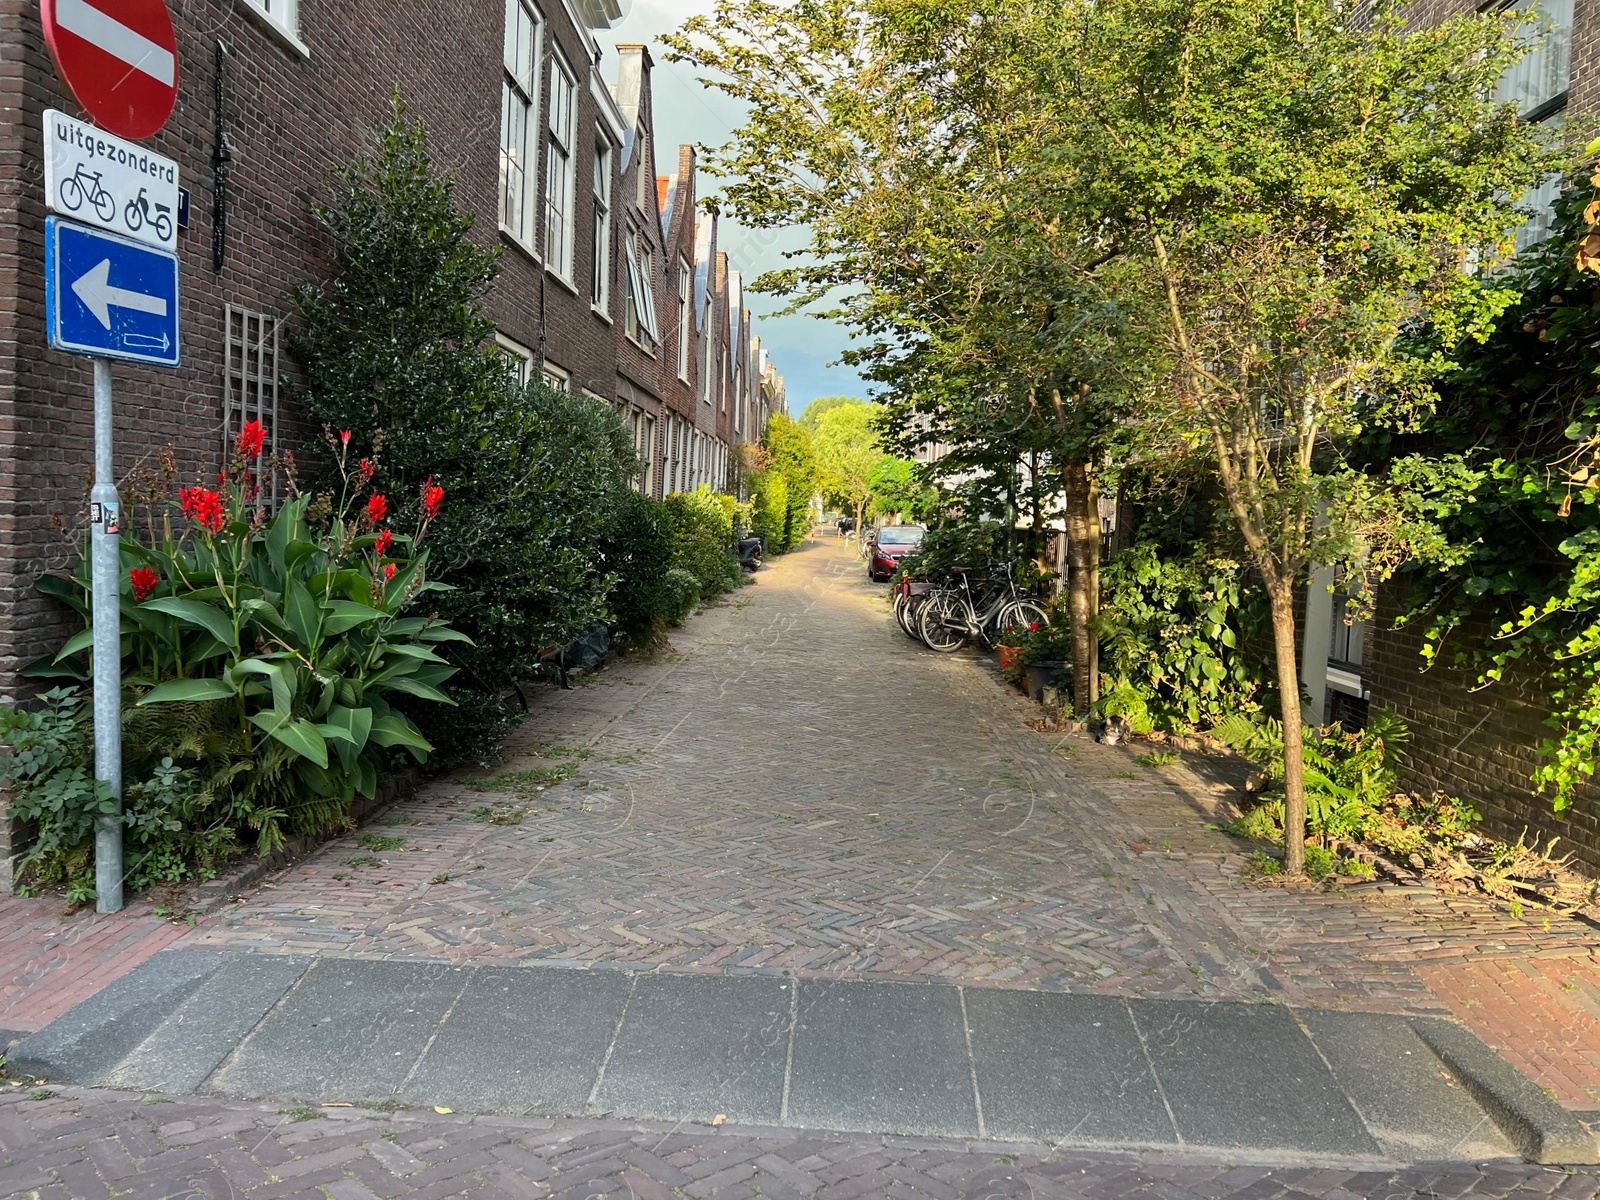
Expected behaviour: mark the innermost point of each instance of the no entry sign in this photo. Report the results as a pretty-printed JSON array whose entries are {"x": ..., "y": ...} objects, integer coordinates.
[{"x": 119, "y": 57}]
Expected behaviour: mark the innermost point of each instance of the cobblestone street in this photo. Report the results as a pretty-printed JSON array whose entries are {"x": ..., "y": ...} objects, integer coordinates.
[
  {"x": 799, "y": 787},
  {"x": 795, "y": 788}
]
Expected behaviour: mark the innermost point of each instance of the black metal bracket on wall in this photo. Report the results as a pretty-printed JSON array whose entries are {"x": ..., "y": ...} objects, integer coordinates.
[{"x": 221, "y": 157}]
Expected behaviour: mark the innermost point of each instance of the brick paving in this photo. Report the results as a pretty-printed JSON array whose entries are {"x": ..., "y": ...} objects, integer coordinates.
[
  {"x": 77, "y": 1144},
  {"x": 801, "y": 788},
  {"x": 50, "y": 959},
  {"x": 1543, "y": 1015}
]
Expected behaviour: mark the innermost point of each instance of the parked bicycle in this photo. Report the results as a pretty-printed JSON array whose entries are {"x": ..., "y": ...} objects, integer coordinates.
[
  {"x": 139, "y": 210},
  {"x": 952, "y": 616},
  {"x": 85, "y": 187}
]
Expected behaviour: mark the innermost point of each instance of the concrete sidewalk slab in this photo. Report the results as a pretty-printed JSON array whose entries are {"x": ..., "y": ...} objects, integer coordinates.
[
  {"x": 521, "y": 1041},
  {"x": 1254, "y": 1082},
  {"x": 878, "y": 1056},
  {"x": 694, "y": 1045},
  {"x": 349, "y": 1030},
  {"x": 1064, "y": 1073}
]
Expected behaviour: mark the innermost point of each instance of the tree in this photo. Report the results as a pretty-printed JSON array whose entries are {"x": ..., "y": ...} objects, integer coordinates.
[
  {"x": 847, "y": 452},
  {"x": 914, "y": 144},
  {"x": 789, "y": 453},
  {"x": 901, "y": 486},
  {"x": 1309, "y": 190},
  {"x": 813, "y": 411}
]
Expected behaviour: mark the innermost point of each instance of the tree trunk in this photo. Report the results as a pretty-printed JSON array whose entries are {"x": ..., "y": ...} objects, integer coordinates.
[
  {"x": 1083, "y": 570},
  {"x": 1281, "y": 596}
]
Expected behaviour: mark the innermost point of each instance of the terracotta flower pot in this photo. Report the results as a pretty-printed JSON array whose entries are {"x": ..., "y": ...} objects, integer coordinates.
[{"x": 1008, "y": 656}]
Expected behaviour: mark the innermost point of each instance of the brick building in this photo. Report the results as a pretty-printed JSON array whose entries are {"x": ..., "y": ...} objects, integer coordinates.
[
  {"x": 556, "y": 164},
  {"x": 1481, "y": 745}
]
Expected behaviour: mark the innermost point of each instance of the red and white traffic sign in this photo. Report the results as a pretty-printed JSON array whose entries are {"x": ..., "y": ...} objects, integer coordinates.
[{"x": 119, "y": 57}]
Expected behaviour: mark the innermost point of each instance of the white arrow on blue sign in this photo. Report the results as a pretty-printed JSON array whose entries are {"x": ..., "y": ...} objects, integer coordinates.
[{"x": 108, "y": 296}]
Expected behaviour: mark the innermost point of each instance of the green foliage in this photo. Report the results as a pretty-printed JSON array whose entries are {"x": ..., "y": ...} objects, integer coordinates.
[
  {"x": 899, "y": 486},
  {"x": 1127, "y": 699},
  {"x": 680, "y": 593},
  {"x": 1179, "y": 628},
  {"x": 1048, "y": 643},
  {"x": 1510, "y": 476},
  {"x": 769, "y": 501},
  {"x": 971, "y": 544},
  {"x": 1347, "y": 775},
  {"x": 174, "y": 827},
  {"x": 848, "y": 452},
  {"x": 702, "y": 526},
  {"x": 639, "y": 550},
  {"x": 265, "y": 654},
  {"x": 400, "y": 342},
  {"x": 788, "y": 453}
]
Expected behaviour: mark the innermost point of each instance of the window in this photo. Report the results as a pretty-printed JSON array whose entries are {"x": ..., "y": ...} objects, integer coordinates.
[
  {"x": 555, "y": 377},
  {"x": 281, "y": 15},
  {"x": 685, "y": 290},
  {"x": 640, "y": 318},
  {"x": 250, "y": 384},
  {"x": 647, "y": 453},
  {"x": 1538, "y": 85},
  {"x": 600, "y": 284},
  {"x": 518, "y": 356},
  {"x": 518, "y": 116},
  {"x": 560, "y": 170}
]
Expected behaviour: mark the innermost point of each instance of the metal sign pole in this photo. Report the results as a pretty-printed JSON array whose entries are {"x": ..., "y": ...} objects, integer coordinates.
[{"x": 105, "y": 560}]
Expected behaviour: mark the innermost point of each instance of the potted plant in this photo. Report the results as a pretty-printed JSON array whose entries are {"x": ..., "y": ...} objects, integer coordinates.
[{"x": 1044, "y": 656}]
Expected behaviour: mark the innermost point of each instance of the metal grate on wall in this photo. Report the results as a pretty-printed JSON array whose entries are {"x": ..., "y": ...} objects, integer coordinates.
[{"x": 250, "y": 383}]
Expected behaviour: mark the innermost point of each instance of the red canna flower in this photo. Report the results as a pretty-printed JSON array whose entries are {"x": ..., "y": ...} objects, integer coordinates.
[
  {"x": 382, "y": 544},
  {"x": 388, "y": 572},
  {"x": 204, "y": 507},
  {"x": 367, "y": 469},
  {"x": 344, "y": 439},
  {"x": 251, "y": 438},
  {"x": 432, "y": 494},
  {"x": 377, "y": 506},
  {"x": 144, "y": 580}
]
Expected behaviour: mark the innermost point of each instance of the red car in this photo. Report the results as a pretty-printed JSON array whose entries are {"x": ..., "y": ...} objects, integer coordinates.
[{"x": 892, "y": 543}]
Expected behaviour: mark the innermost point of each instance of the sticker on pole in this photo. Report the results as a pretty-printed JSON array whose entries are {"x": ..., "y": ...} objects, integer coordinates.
[
  {"x": 102, "y": 180},
  {"x": 110, "y": 297},
  {"x": 119, "y": 57}
]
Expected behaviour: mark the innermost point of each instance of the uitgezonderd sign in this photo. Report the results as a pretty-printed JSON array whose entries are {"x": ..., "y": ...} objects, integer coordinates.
[{"x": 91, "y": 176}]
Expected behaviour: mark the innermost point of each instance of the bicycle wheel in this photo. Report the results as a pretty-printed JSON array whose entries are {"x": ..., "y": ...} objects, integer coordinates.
[
  {"x": 71, "y": 194},
  {"x": 105, "y": 204},
  {"x": 1023, "y": 613},
  {"x": 902, "y": 602},
  {"x": 941, "y": 624}
]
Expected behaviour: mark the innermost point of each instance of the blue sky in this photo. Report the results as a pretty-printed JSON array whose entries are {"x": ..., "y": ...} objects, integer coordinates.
[{"x": 685, "y": 112}]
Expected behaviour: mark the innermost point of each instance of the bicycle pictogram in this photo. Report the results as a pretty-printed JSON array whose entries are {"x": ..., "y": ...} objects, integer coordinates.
[{"x": 84, "y": 187}]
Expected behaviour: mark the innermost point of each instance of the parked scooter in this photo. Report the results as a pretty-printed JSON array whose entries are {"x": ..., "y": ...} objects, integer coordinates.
[{"x": 752, "y": 551}]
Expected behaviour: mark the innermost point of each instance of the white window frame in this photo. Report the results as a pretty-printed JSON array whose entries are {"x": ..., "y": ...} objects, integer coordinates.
[
  {"x": 685, "y": 315},
  {"x": 519, "y": 98},
  {"x": 640, "y": 317},
  {"x": 519, "y": 354},
  {"x": 600, "y": 280},
  {"x": 556, "y": 377},
  {"x": 282, "y": 18},
  {"x": 561, "y": 169}
]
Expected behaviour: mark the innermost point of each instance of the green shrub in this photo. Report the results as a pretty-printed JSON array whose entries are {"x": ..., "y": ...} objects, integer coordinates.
[
  {"x": 262, "y": 657},
  {"x": 681, "y": 592},
  {"x": 769, "y": 508},
  {"x": 400, "y": 345},
  {"x": 702, "y": 530},
  {"x": 639, "y": 550},
  {"x": 1177, "y": 629}
]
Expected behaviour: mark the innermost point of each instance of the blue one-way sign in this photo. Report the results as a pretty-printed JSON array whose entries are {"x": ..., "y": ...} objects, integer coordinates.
[{"x": 108, "y": 296}]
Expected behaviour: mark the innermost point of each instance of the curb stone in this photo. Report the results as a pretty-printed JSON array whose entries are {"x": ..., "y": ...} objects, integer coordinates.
[{"x": 1539, "y": 1127}]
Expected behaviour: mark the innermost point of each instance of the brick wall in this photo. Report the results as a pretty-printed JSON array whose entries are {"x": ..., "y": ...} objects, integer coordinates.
[{"x": 1479, "y": 745}]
